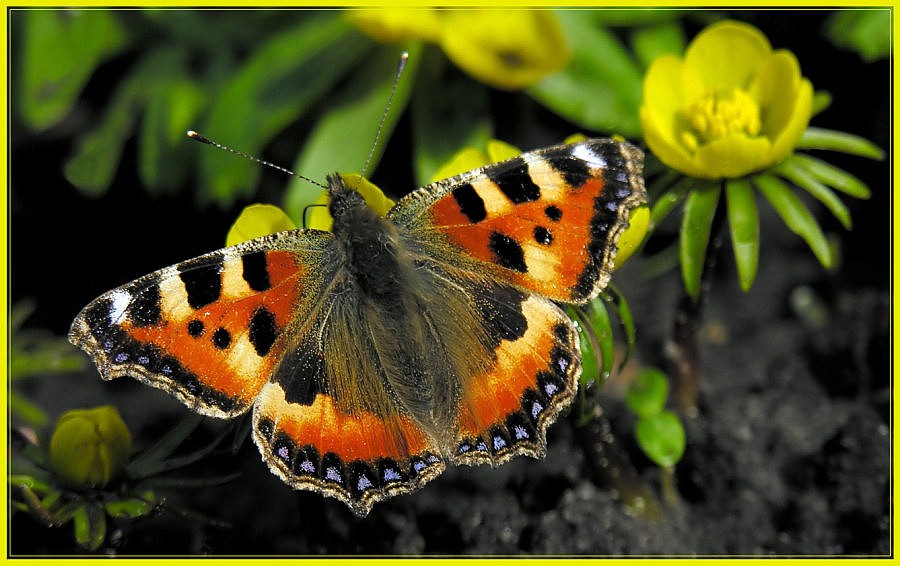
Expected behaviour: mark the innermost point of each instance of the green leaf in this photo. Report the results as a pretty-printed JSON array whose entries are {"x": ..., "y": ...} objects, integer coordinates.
[
  {"x": 661, "y": 437},
  {"x": 600, "y": 89},
  {"x": 654, "y": 41},
  {"x": 826, "y": 196},
  {"x": 796, "y": 215},
  {"x": 61, "y": 49},
  {"x": 633, "y": 18},
  {"x": 283, "y": 78},
  {"x": 744, "y": 223},
  {"x": 96, "y": 159},
  {"x": 699, "y": 210},
  {"x": 832, "y": 176},
  {"x": 646, "y": 396},
  {"x": 442, "y": 124},
  {"x": 31, "y": 413},
  {"x": 342, "y": 138},
  {"x": 164, "y": 150},
  {"x": 150, "y": 460},
  {"x": 867, "y": 32},
  {"x": 818, "y": 138}
]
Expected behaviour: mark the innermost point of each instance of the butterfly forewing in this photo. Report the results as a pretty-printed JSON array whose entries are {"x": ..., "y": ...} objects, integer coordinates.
[
  {"x": 546, "y": 221},
  {"x": 208, "y": 330}
]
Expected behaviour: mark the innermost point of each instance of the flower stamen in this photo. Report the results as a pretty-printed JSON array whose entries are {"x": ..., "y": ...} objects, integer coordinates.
[{"x": 719, "y": 114}]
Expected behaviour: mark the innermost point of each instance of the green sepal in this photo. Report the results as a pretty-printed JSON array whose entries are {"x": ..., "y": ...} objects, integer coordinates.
[
  {"x": 795, "y": 215},
  {"x": 820, "y": 138},
  {"x": 803, "y": 179},
  {"x": 832, "y": 176},
  {"x": 699, "y": 210},
  {"x": 743, "y": 221}
]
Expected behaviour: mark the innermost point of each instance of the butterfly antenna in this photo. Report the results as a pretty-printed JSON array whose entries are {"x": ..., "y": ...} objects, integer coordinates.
[
  {"x": 401, "y": 64},
  {"x": 203, "y": 139}
]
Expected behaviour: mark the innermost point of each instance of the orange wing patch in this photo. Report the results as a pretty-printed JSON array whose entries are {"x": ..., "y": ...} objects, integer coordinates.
[
  {"x": 546, "y": 221},
  {"x": 506, "y": 412},
  {"x": 358, "y": 458}
]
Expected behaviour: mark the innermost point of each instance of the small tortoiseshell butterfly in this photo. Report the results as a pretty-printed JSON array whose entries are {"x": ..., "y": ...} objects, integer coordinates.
[{"x": 374, "y": 355}]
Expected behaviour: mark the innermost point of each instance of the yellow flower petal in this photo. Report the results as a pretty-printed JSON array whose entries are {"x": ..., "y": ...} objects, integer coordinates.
[
  {"x": 500, "y": 151},
  {"x": 788, "y": 97},
  {"x": 463, "y": 160},
  {"x": 391, "y": 25},
  {"x": 507, "y": 49},
  {"x": 258, "y": 220},
  {"x": 727, "y": 54},
  {"x": 790, "y": 134},
  {"x": 317, "y": 215},
  {"x": 731, "y": 156}
]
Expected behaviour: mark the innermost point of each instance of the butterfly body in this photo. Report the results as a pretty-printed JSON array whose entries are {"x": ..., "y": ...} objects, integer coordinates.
[{"x": 375, "y": 355}]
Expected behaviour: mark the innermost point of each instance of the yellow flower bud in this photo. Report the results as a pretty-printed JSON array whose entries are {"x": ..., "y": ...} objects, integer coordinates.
[{"x": 89, "y": 447}]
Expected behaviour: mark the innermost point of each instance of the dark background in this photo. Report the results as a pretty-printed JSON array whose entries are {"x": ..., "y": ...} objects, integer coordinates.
[{"x": 790, "y": 454}]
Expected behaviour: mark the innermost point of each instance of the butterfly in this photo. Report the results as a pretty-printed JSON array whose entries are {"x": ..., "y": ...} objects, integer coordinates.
[{"x": 374, "y": 355}]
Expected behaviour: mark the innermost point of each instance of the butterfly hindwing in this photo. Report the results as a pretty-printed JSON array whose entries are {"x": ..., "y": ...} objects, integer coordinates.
[
  {"x": 207, "y": 330},
  {"x": 505, "y": 411}
]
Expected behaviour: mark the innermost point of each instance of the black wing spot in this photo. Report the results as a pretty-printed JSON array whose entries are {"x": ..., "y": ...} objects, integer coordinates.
[
  {"x": 507, "y": 252},
  {"x": 470, "y": 203},
  {"x": 144, "y": 309},
  {"x": 516, "y": 183},
  {"x": 553, "y": 213},
  {"x": 263, "y": 331},
  {"x": 543, "y": 236},
  {"x": 202, "y": 283},
  {"x": 221, "y": 338},
  {"x": 256, "y": 271},
  {"x": 575, "y": 171},
  {"x": 195, "y": 328}
]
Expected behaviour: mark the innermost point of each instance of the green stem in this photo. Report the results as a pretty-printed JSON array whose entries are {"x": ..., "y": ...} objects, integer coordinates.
[
  {"x": 683, "y": 350},
  {"x": 611, "y": 467}
]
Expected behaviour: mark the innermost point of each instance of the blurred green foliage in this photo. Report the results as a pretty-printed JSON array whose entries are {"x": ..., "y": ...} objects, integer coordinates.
[{"x": 244, "y": 76}]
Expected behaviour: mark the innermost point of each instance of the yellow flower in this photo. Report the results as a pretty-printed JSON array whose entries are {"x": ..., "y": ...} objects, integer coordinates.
[
  {"x": 89, "y": 447},
  {"x": 730, "y": 107},
  {"x": 258, "y": 220},
  {"x": 391, "y": 25},
  {"x": 507, "y": 49}
]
